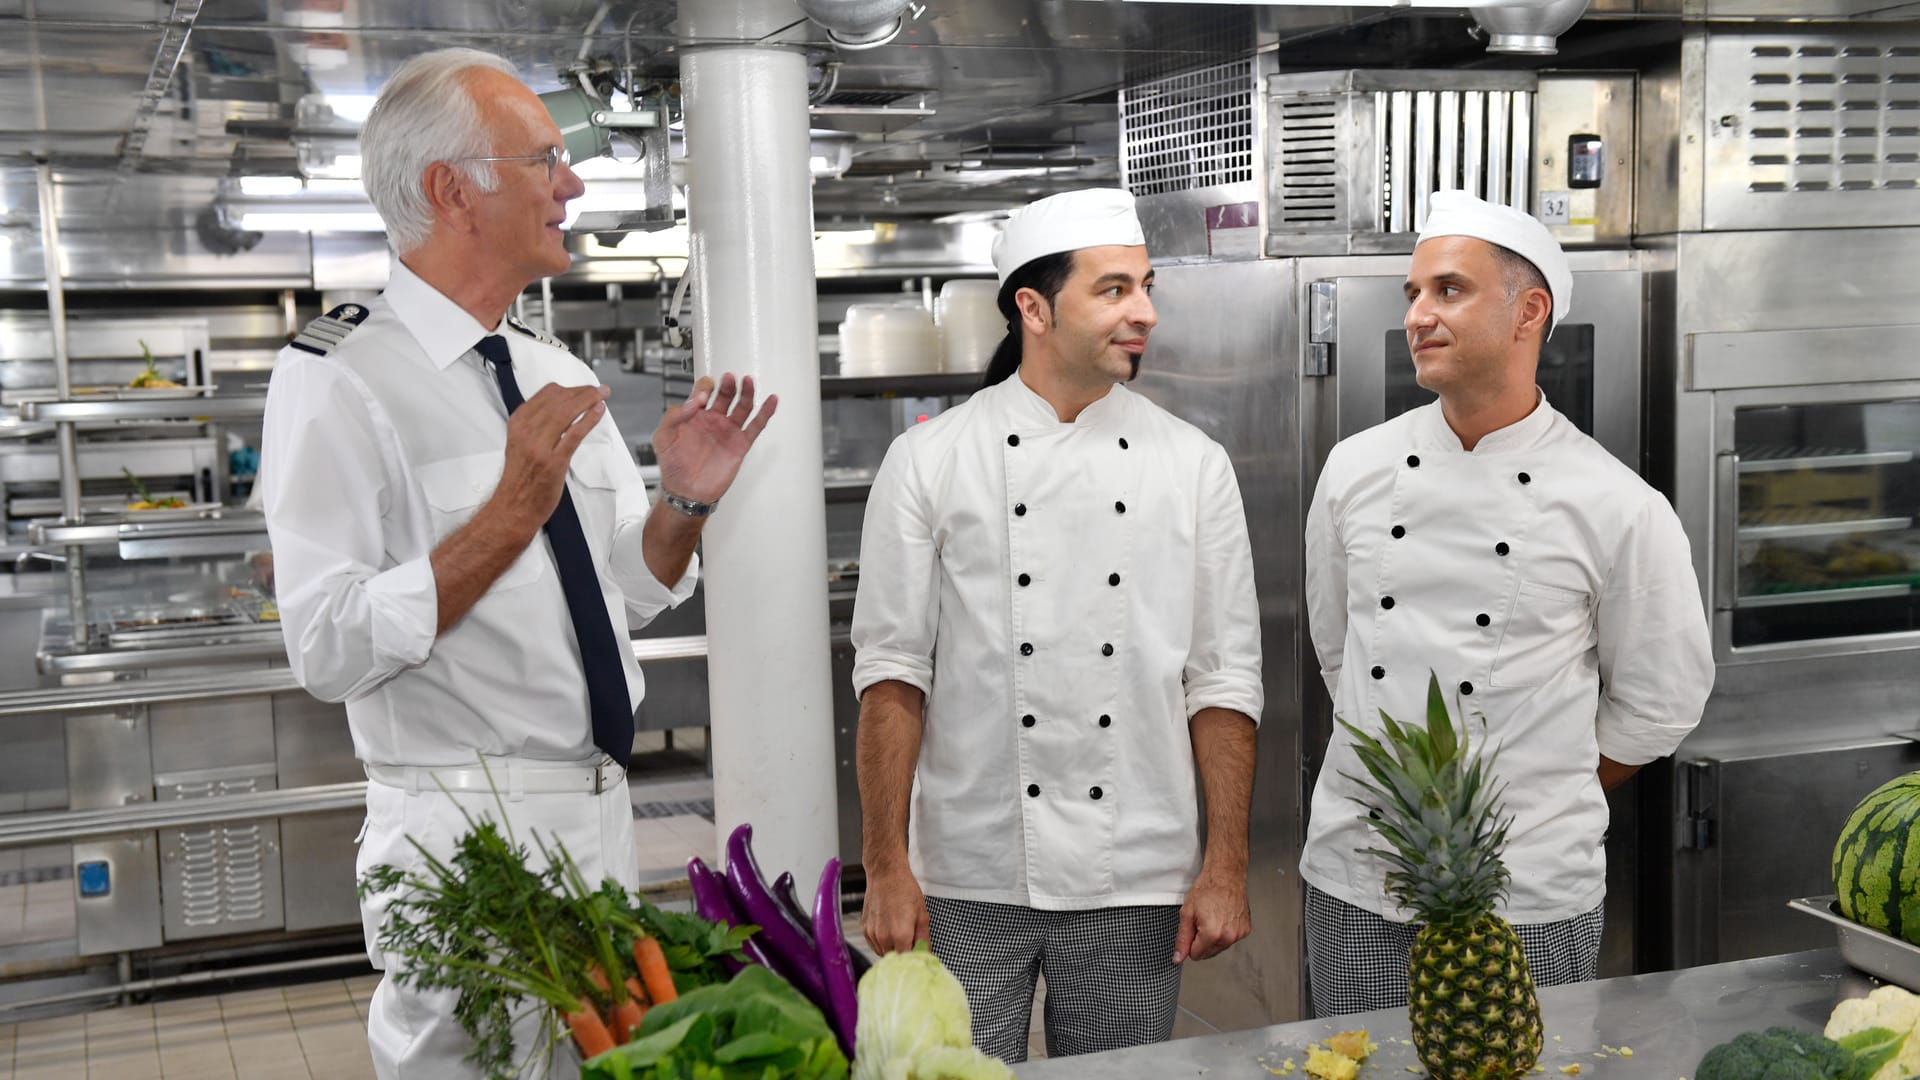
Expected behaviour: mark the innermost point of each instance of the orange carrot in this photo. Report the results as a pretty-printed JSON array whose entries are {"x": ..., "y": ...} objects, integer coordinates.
[
  {"x": 589, "y": 1031},
  {"x": 623, "y": 1017},
  {"x": 652, "y": 963}
]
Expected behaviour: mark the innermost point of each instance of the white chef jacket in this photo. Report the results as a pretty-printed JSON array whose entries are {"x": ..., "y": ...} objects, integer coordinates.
[
  {"x": 1067, "y": 596},
  {"x": 372, "y": 455},
  {"x": 1548, "y": 587}
]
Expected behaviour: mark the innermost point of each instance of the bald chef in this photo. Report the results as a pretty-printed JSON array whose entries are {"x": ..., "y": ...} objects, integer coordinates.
[
  {"x": 1484, "y": 538},
  {"x": 1056, "y": 632}
]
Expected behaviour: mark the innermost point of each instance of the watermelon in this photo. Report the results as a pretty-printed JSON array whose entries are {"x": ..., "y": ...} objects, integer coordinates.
[{"x": 1876, "y": 864}]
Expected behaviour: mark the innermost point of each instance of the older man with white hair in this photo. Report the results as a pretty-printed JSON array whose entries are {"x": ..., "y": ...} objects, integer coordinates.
[
  {"x": 1485, "y": 539},
  {"x": 1057, "y": 652},
  {"x": 462, "y": 540}
]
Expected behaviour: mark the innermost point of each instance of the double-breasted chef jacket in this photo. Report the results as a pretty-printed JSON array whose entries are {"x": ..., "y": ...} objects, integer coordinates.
[
  {"x": 1067, "y": 596},
  {"x": 1550, "y": 589}
]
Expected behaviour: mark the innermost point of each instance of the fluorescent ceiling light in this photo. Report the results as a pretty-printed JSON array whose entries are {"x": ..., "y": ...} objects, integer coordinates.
[
  {"x": 1372, "y": 3},
  {"x": 267, "y": 186},
  {"x": 324, "y": 186},
  {"x": 972, "y": 217},
  {"x": 352, "y": 108},
  {"x": 613, "y": 195},
  {"x": 311, "y": 220},
  {"x": 339, "y": 167}
]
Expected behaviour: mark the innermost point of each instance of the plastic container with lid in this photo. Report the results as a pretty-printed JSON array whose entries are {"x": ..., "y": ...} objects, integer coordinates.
[
  {"x": 971, "y": 326},
  {"x": 888, "y": 339}
]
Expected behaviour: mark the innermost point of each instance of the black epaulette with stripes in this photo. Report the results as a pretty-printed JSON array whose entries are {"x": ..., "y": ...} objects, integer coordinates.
[
  {"x": 543, "y": 338},
  {"x": 324, "y": 334}
]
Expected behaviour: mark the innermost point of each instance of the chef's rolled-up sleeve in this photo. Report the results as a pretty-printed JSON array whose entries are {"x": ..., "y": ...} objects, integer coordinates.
[
  {"x": 646, "y": 595},
  {"x": 352, "y": 619},
  {"x": 896, "y": 609},
  {"x": 1326, "y": 587},
  {"x": 1656, "y": 653},
  {"x": 1223, "y": 662}
]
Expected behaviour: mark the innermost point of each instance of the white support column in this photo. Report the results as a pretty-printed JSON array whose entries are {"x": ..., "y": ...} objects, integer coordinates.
[{"x": 750, "y": 215}]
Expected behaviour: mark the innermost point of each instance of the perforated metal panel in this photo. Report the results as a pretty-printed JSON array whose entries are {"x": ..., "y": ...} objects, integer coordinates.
[
  {"x": 1352, "y": 157},
  {"x": 220, "y": 879},
  {"x": 1807, "y": 131},
  {"x": 1187, "y": 131}
]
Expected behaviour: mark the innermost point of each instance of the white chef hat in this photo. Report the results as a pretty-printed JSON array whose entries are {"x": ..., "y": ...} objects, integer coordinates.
[
  {"x": 1092, "y": 217},
  {"x": 1456, "y": 213}
]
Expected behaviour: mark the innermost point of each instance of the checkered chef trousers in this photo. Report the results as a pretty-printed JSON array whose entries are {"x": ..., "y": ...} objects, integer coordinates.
[
  {"x": 1357, "y": 961},
  {"x": 1111, "y": 979}
]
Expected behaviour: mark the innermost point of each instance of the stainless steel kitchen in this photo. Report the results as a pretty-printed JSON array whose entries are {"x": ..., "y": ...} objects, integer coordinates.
[{"x": 295, "y": 658}]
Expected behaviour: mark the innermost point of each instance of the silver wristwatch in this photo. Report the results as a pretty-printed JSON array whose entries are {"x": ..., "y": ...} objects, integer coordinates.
[{"x": 687, "y": 506}]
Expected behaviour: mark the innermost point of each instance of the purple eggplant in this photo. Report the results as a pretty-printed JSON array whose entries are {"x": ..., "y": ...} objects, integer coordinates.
[
  {"x": 783, "y": 890},
  {"x": 836, "y": 965},
  {"x": 790, "y": 953},
  {"x": 711, "y": 902}
]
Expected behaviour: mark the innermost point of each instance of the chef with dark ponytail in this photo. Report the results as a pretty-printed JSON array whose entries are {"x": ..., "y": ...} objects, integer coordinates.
[{"x": 1057, "y": 651}]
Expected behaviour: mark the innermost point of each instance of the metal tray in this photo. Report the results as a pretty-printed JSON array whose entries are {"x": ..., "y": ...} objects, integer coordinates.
[{"x": 1868, "y": 949}]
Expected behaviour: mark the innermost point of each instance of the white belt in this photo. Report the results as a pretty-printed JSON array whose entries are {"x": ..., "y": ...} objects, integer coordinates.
[{"x": 511, "y": 777}]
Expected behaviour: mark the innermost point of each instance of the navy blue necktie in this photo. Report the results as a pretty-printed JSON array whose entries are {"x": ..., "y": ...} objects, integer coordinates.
[{"x": 607, "y": 700}]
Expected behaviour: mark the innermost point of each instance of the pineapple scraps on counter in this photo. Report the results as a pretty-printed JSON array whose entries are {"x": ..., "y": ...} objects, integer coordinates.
[
  {"x": 1326, "y": 1064},
  {"x": 1352, "y": 1044}
]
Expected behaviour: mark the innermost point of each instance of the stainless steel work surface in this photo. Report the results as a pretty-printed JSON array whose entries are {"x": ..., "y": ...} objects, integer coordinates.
[{"x": 1668, "y": 1020}]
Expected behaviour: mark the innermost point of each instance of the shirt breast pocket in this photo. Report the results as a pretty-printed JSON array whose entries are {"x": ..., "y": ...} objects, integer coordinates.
[
  {"x": 455, "y": 488},
  {"x": 596, "y": 496},
  {"x": 1547, "y": 629}
]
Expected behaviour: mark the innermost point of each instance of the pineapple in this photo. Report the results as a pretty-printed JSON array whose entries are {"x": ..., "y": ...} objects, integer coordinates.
[{"x": 1470, "y": 1001}]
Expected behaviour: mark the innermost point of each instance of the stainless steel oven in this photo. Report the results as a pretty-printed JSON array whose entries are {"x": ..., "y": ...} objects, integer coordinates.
[
  {"x": 1792, "y": 406},
  {"x": 1816, "y": 499}
]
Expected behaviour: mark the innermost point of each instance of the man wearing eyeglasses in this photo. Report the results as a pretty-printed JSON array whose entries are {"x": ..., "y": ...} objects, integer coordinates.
[{"x": 462, "y": 541}]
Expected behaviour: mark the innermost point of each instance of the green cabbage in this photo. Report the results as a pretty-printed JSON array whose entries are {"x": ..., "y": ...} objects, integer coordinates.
[{"x": 914, "y": 1024}]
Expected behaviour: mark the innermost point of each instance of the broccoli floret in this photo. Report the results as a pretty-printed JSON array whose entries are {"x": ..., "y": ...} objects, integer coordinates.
[
  {"x": 1776, "y": 1054},
  {"x": 1785, "y": 1054}
]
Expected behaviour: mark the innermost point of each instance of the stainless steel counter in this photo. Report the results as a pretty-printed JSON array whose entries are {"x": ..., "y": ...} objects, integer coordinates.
[{"x": 1668, "y": 1020}]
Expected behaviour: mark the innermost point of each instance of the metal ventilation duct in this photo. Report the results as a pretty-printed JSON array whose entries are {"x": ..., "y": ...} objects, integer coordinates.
[
  {"x": 858, "y": 24},
  {"x": 1528, "y": 29}
]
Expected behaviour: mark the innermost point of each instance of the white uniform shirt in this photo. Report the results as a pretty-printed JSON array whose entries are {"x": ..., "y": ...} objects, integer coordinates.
[
  {"x": 1067, "y": 596},
  {"x": 372, "y": 455},
  {"x": 1548, "y": 586}
]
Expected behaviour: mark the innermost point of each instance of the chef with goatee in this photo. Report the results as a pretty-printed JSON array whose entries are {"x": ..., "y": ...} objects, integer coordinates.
[{"x": 1058, "y": 653}]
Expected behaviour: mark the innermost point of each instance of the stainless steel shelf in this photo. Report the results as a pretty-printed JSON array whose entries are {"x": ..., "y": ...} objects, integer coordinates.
[
  {"x": 164, "y": 534},
  {"x": 1845, "y": 527},
  {"x": 182, "y": 407},
  {"x": 1821, "y": 459},
  {"x": 137, "y": 692},
  {"x": 1823, "y": 596},
  {"x": 848, "y": 491},
  {"x": 67, "y": 826},
  {"x": 942, "y": 385},
  {"x": 247, "y": 648}
]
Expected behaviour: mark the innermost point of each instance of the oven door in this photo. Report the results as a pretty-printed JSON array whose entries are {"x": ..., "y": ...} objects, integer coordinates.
[
  {"x": 1589, "y": 369},
  {"x": 1816, "y": 526}
]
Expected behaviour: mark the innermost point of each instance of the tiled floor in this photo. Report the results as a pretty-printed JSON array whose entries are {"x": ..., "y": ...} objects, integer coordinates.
[{"x": 311, "y": 1031}]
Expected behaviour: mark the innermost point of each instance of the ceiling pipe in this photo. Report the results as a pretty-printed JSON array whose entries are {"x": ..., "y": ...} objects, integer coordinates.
[{"x": 859, "y": 24}]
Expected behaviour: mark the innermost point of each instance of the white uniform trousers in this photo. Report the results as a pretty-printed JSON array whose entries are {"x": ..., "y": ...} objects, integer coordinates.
[{"x": 413, "y": 1035}]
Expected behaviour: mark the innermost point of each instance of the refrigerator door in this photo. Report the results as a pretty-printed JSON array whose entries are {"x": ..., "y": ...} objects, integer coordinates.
[
  {"x": 1757, "y": 831},
  {"x": 1223, "y": 357},
  {"x": 1589, "y": 369}
]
